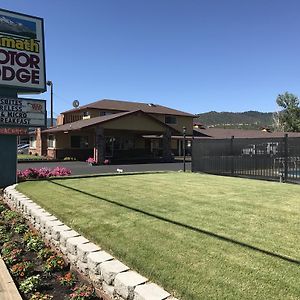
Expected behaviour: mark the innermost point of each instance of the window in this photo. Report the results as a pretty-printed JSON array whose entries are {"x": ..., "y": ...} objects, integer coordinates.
[
  {"x": 51, "y": 141},
  {"x": 32, "y": 141},
  {"x": 104, "y": 113},
  {"x": 170, "y": 120},
  {"x": 79, "y": 141},
  {"x": 86, "y": 114}
]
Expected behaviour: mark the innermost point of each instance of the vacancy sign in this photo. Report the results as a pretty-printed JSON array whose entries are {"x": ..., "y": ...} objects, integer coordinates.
[
  {"x": 14, "y": 131},
  {"x": 22, "y": 60},
  {"x": 21, "y": 112}
]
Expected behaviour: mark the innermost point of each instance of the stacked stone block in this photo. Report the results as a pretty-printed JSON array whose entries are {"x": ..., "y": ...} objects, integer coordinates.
[{"x": 104, "y": 271}]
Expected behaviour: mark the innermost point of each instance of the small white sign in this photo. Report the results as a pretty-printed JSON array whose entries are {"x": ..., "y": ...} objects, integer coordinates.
[
  {"x": 22, "y": 112},
  {"x": 22, "y": 59}
]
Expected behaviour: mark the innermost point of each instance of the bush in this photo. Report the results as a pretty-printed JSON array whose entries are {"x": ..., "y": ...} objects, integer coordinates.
[
  {"x": 82, "y": 292},
  {"x": 70, "y": 158},
  {"x": 91, "y": 161},
  {"x": 40, "y": 296},
  {"x": 54, "y": 263},
  {"x": 33, "y": 173},
  {"x": 45, "y": 253},
  {"x": 22, "y": 269},
  {"x": 21, "y": 228},
  {"x": 33, "y": 242},
  {"x": 5, "y": 236},
  {"x": 2, "y": 208},
  {"x": 30, "y": 284},
  {"x": 13, "y": 256},
  {"x": 68, "y": 279},
  {"x": 9, "y": 215}
]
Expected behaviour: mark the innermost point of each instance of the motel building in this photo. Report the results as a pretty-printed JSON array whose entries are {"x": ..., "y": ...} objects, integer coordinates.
[{"x": 115, "y": 130}]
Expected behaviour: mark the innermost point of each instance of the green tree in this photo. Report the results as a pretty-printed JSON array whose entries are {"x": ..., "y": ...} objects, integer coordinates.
[{"x": 288, "y": 119}]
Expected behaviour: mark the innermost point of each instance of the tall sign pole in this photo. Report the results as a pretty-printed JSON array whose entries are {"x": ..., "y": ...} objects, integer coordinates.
[{"x": 22, "y": 71}]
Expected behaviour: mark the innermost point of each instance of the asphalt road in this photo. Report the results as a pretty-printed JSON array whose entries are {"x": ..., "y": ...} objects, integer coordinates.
[{"x": 82, "y": 168}]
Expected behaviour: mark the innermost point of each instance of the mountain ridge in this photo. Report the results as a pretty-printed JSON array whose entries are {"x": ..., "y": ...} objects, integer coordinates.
[{"x": 241, "y": 120}]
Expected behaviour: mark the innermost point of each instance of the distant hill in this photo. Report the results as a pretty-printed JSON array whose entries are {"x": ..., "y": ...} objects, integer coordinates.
[{"x": 243, "y": 120}]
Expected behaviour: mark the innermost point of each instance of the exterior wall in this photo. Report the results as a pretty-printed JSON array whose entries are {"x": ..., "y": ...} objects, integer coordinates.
[
  {"x": 64, "y": 140},
  {"x": 133, "y": 122},
  {"x": 181, "y": 121},
  {"x": 75, "y": 116},
  {"x": 140, "y": 143},
  {"x": 51, "y": 153},
  {"x": 37, "y": 150},
  {"x": 60, "y": 120}
]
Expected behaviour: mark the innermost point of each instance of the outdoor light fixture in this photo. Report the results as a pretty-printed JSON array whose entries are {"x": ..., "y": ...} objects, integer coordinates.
[
  {"x": 50, "y": 83},
  {"x": 184, "y": 137}
]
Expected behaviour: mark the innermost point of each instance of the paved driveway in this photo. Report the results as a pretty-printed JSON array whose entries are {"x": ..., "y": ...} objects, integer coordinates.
[{"x": 82, "y": 168}]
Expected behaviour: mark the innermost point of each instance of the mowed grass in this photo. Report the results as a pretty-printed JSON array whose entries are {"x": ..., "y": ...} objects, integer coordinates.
[{"x": 140, "y": 219}]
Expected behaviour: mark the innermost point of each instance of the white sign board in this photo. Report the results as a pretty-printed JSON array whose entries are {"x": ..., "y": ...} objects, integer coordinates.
[
  {"x": 22, "y": 59},
  {"x": 22, "y": 112}
]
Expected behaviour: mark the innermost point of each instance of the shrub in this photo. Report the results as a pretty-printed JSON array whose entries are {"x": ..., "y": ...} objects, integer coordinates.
[
  {"x": 69, "y": 158},
  {"x": 21, "y": 228},
  {"x": 54, "y": 263},
  {"x": 40, "y": 296},
  {"x": 30, "y": 284},
  {"x": 9, "y": 215},
  {"x": 9, "y": 246},
  {"x": 33, "y": 242},
  {"x": 5, "y": 236},
  {"x": 91, "y": 160},
  {"x": 60, "y": 171},
  {"x": 32, "y": 173},
  {"x": 82, "y": 292},
  {"x": 22, "y": 269},
  {"x": 13, "y": 256},
  {"x": 68, "y": 279},
  {"x": 45, "y": 253},
  {"x": 2, "y": 208}
]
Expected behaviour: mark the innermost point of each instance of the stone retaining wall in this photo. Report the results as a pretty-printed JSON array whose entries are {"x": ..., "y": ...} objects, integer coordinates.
[{"x": 104, "y": 271}]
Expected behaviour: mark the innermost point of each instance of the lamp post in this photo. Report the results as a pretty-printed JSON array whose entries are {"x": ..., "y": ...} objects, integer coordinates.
[
  {"x": 184, "y": 137},
  {"x": 50, "y": 83}
]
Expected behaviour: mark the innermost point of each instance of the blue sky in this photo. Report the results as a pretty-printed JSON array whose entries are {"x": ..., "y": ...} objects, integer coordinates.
[{"x": 192, "y": 55}]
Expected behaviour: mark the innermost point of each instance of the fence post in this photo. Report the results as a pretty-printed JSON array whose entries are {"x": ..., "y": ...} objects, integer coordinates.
[
  {"x": 232, "y": 158},
  {"x": 286, "y": 155}
]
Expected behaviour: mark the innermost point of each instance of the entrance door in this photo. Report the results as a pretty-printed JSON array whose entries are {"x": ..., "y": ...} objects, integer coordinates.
[{"x": 109, "y": 146}]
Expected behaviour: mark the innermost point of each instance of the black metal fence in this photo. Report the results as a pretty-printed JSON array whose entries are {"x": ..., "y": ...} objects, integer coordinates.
[{"x": 266, "y": 158}]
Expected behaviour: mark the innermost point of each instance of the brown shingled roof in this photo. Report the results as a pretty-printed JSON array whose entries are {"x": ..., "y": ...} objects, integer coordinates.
[
  {"x": 99, "y": 120},
  {"x": 119, "y": 105},
  {"x": 220, "y": 133}
]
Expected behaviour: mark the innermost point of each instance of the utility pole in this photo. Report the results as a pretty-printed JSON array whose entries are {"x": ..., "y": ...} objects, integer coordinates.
[
  {"x": 50, "y": 83},
  {"x": 184, "y": 142}
]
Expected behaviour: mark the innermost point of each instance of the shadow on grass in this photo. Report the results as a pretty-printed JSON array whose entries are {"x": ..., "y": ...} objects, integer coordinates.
[{"x": 195, "y": 229}]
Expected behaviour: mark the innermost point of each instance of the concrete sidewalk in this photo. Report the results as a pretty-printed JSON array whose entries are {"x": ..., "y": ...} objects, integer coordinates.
[{"x": 8, "y": 289}]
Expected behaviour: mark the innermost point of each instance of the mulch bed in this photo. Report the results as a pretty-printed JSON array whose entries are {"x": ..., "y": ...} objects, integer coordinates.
[{"x": 39, "y": 272}]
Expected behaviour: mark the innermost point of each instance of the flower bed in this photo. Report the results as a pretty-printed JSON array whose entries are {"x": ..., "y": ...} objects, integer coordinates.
[
  {"x": 38, "y": 271},
  {"x": 33, "y": 173}
]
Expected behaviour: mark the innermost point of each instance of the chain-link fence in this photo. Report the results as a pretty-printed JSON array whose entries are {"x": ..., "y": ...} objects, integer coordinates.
[{"x": 268, "y": 158}]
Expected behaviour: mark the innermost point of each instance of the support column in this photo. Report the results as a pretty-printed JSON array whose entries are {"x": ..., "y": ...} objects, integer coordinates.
[
  {"x": 99, "y": 148},
  {"x": 166, "y": 141},
  {"x": 8, "y": 150}
]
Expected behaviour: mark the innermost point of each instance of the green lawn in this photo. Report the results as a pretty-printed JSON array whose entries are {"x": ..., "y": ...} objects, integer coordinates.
[{"x": 140, "y": 219}]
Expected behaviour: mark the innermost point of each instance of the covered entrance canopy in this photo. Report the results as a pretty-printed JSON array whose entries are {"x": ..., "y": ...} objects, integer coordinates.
[{"x": 117, "y": 136}]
